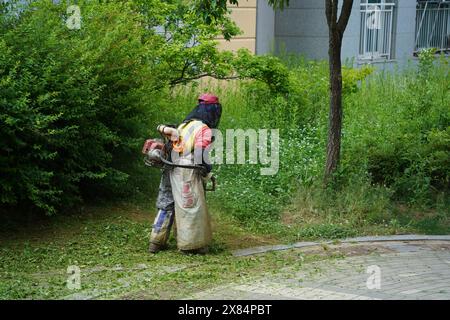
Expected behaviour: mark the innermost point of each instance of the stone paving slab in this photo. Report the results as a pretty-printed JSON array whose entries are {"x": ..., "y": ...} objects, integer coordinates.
[
  {"x": 263, "y": 249},
  {"x": 407, "y": 271}
]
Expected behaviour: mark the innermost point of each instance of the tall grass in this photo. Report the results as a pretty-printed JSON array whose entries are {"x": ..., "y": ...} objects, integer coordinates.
[{"x": 395, "y": 143}]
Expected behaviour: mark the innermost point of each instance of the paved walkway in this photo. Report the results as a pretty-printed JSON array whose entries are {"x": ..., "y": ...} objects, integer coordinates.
[{"x": 417, "y": 269}]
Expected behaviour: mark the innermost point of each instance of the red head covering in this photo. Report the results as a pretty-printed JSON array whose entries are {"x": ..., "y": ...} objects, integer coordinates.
[
  {"x": 208, "y": 110},
  {"x": 208, "y": 98}
]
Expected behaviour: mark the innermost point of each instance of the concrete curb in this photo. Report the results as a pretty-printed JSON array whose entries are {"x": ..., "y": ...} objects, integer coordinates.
[{"x": 413, "y": 237}]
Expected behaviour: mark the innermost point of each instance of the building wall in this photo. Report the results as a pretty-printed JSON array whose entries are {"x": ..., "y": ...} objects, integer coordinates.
[
  {"x": 404, "y": 34},
  {"x": 245, "y": 17},
  {"x": 265, "y": 28},
  {"x": 350, "y": 43},
  {"x": 302, "y": 28}
]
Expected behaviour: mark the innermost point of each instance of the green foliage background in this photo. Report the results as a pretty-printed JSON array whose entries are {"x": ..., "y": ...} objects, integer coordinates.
[{"x": 76, "y": 106}]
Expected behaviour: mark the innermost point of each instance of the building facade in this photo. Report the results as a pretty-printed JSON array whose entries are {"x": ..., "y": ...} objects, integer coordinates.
[{"x": 379, "y": 31}]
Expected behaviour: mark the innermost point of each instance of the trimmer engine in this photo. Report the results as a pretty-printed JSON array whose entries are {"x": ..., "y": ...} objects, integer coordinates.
[
  {"x": 154, "y": 151},
  {"x": 155, "y": 156}
]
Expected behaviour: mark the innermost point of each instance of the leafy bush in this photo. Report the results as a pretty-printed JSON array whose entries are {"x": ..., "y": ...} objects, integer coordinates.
[
  {"x": 74, "y": 103},
  {"x": 398, "y": 124}
]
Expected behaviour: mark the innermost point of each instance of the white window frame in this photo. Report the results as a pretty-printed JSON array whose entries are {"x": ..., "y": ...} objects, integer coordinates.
[
  {"x": 432, "y": 25},
  {"x": 376, "y": 30}
]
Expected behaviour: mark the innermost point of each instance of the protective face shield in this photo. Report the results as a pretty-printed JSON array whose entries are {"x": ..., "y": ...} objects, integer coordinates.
[{"x": 208, "y": 110}]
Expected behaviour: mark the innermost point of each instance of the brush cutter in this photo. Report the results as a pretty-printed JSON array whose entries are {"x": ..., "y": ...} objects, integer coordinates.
[{"x": 155, "y": 152}]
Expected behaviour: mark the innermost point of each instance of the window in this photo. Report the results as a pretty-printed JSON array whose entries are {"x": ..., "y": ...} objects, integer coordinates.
[
  {"x": 376, "y": 41},
  {"x": 433, "y": 25}
]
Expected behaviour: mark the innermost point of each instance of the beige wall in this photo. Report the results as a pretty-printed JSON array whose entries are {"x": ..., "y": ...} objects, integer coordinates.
[{"x": 245, "y": 17}]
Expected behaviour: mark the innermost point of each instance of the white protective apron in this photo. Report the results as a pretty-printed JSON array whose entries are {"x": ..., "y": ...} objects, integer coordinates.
[{"x": 193, "y": 222}]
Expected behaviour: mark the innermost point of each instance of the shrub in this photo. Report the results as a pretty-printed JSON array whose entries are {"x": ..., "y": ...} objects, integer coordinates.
[
  {"x": 396, "y": 131},
  {"x": 74, "y": 103}
]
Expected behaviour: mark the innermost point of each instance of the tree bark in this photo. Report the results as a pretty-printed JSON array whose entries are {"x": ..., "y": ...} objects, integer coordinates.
[
  {"x": 336, "y": 28},
  {"x": 335, "y": 115}
]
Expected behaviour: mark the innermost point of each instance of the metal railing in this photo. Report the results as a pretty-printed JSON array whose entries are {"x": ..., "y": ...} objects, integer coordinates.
[
  {"x": 376, "y": 31},
  {"x": 433, "y": 25}
]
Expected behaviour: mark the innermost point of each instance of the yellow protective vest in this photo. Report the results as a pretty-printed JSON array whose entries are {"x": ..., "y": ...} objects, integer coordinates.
[{"x": 186, "y": 136}]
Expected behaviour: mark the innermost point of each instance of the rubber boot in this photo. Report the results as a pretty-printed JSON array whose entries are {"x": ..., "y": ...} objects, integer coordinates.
[{"x": 154, "y": 248}]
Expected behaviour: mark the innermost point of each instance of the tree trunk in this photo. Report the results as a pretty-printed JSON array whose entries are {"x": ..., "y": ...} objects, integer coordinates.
[
  {"x": 336, "y": 29},
  {"x": 335, "y": 116}
]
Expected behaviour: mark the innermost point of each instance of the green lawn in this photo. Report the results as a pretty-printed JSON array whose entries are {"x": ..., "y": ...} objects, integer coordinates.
[{"x": 109, "y": 245}]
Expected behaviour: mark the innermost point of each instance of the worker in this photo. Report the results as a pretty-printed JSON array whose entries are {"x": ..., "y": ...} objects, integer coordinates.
[{"x": 181, "y": 198}]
